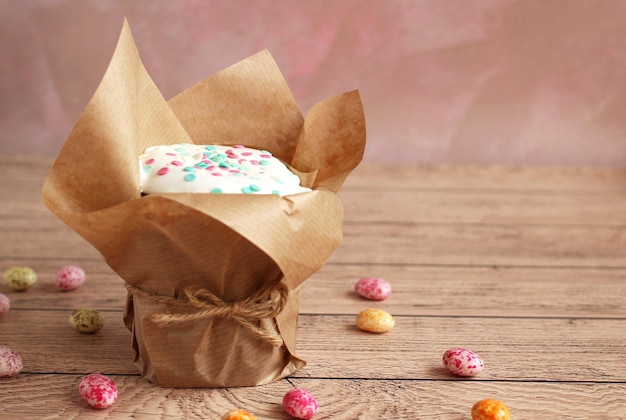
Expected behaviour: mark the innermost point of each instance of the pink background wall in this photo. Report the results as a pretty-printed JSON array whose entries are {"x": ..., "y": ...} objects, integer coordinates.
[{"x": 459, "y": 81}]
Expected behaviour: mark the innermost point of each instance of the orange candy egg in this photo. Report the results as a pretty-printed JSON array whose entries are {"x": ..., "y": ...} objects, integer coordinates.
[
  {"x": 238, "y": 415},
  {"x": 490, "y": 409}
]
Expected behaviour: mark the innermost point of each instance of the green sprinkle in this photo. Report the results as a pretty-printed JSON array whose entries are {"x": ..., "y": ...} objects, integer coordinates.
[
  {"x": 211, "y": 148},
  {"x": 202, "y": 164},
  {"x": 189, "y": 169},
  {"x": 276, "y": 192},
  {"x": 217, "y": 158},
  {"x": 255, "y": 188},
  {"x": 247, "y": 190},
  {"x": 190, "y": 177},
  {"x": 223, "y": 164},
  {"x": 216, "y": 191},
  {"x": 146, "y": 168},
  {"x": 264, "y": 162}
]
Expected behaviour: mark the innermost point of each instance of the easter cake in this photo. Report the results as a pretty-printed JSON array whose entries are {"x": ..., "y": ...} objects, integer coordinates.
[{"x": 216, "y": 169}]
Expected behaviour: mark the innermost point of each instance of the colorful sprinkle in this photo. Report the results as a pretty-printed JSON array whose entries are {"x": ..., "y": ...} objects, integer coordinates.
[
  {"x": 300, "y": 404},
  {"x": 490, "y": 409},
  {"x": 149, "y": 161},
  {"x": 216, "y": 191},
  {"x": 375, "y": 320},
  {"x": 239, "y": 146},
  {"x": 266, "y": 174},
  {"x": 98, "y": 390}
]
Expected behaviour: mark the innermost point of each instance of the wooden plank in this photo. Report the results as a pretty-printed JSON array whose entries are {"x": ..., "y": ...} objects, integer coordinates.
[
  {"x": 472, "y": 291},
  {"x": 52, "y": 396},
  {"x": 481, "y": 245},
  {"x": 484, "y": 207},
  {"x": 417, "y": 290},
  {"x": 513, "y": 349},
  {"x": 391, "y": 206},
  {"x": 494, "y": 177}
]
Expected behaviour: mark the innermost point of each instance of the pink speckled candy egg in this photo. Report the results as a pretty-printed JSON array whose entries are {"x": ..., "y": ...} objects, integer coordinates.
[
  {"x": 300, "y": 404},
  {"x": 5, "y": 304},
  {"x": 69, "y": 277},
  {"x": 463, "y": 362},
  {"x": 373, "y": 288},
  {"x": 98, "y": 390},
  {"x": 10, "y": 362}
]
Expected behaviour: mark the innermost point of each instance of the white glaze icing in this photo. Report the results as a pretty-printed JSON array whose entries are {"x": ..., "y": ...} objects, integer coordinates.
[{"x": 192, "y": 168}]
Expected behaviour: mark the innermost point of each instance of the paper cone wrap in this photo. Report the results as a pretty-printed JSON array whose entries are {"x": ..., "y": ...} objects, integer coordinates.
[{"x": 212, "y": 279}]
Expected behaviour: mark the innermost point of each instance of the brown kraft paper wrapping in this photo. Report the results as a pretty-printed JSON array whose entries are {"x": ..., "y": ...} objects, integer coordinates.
[{"x": 212, "y": 279}]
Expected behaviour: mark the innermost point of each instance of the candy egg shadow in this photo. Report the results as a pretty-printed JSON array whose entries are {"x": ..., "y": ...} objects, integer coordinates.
[{"x": 443, "y": 373}]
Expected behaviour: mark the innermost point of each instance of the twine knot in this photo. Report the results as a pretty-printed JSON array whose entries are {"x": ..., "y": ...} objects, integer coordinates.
[{"x": 252, "y": 313}]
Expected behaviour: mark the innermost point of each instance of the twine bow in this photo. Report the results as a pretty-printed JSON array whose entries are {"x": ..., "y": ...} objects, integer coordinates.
[{"x": 263, "y": 305}]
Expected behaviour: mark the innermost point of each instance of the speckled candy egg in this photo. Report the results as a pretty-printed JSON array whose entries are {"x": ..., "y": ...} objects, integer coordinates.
[
  {"x": 87, "y": 320},
  {"x": 373, "y": 288},
  {"x": 490, "y": 409},
  {"x": 238, "y": 415},
  {"x": 69, "y": 277},
  {"x": 375, "y": 320},
  {"x": 10, "y": 362},
  {"x": 20, "y": 278},
  {"x": 98, "y": 390},
  {"x": 463, "y": 362},
  {"x": 5, "y": 304},
  {"x": 300, "y": 404}
]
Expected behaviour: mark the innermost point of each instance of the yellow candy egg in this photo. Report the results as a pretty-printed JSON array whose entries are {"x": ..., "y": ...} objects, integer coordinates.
[
  {"x": 86, "y": 321},
  {"x": 490, "y": 409},
  {"x": 20, "y": 278},
  {"x": 375, "y": 320}
]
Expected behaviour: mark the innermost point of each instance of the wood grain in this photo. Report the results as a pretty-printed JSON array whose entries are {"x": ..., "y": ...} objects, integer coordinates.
[{"x": 525, "y": 266}]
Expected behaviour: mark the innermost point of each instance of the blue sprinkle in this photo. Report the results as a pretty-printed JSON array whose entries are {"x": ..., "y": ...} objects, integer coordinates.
[{"x": 190, "y": 177}]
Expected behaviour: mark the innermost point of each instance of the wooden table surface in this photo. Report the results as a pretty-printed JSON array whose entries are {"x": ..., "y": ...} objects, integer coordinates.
[{"x": 525, "y": 266}]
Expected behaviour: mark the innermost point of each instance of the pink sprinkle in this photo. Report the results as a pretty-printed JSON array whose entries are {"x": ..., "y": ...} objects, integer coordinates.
[
  {"x": 254, "y": 162},
  {"x": 246, "y": 154},
  {"x": 176, "y": 163},
  {"x": 216, "y": 174},
  {"x": 265, "y": 155},
  {"x": 242, "y": 160},
  {"x": 232, "y": 155},
  {"x": 210, "y": 168},
  {"x": 164, "y": 170},
  {"x": 171, "y": 154},
  {"x": 150, "y": 161},
  {"x": 234, "y": 171},
  {"x": 239, "y": 146},
  {"x": 207, "y": 161}
]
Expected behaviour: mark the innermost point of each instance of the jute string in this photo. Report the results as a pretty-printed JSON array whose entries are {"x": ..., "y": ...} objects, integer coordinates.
[{"x": 265, "y": 304}]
